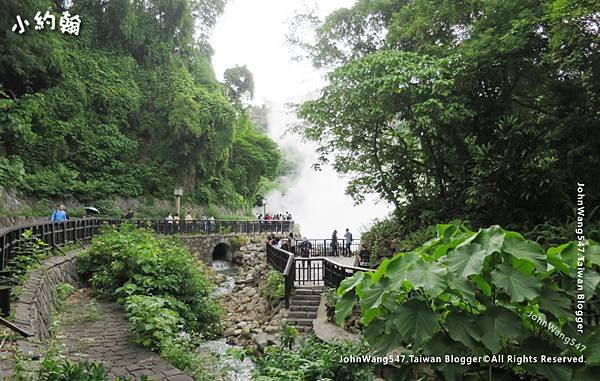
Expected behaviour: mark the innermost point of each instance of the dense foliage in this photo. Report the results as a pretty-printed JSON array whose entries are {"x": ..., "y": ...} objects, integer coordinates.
[
  {"x": 129, "y": 107},
  {"x": 481, "y": 293},
  {"x": 311, "y": 359},
  {"x": 482, "y": 110},
  {"x": 274, "y": 287},
  {"x": 165, "y": 290}
]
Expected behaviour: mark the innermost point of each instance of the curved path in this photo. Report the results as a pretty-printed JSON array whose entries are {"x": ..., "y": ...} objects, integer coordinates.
[{"x": 97, "y": 331}]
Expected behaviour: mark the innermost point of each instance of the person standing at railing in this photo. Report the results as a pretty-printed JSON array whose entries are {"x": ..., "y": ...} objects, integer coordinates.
[
  {"x": 305, "y": 247},
  {"x": 348, "y": 239},
  {"x": 334, "y": 243}
]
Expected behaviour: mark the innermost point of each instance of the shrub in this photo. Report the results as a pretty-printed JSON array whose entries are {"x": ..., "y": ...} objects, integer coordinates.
[
  {"x": 29, "y": 254},
  {"x": 312, "y": 360},
  {"x": 331, "y": 299},
  {"x": 151, "y": 319},
  {"x": 467, "y": 292},
  {"x": 274, "y": 288},
  {"x": 136, "y": 262}
]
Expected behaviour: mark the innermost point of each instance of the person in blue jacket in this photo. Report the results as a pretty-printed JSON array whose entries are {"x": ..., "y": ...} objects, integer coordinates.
[{"x": 59, "y": 214}]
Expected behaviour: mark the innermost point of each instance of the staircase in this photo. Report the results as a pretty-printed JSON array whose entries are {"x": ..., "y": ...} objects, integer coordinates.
[{"x": 303, "y": 307}]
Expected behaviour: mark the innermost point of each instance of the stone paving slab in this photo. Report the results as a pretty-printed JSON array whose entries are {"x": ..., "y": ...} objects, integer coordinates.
[{"x": 108, "y": 340}]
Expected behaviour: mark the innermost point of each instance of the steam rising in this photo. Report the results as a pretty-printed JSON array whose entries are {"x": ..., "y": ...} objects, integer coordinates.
[{"x": 316, "y": 199}]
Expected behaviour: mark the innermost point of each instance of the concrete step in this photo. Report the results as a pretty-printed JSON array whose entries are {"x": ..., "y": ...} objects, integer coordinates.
[
  {"x": 302, "y": 307},
  {"x": 302, "y": 315},
  {"x": 304, "y": 329},
  {"x": 308, "y": 291},
  {"x": 295, "y": 302},
  {"x": 300, "y": 322},
  {"x": 306, "y": 297}
]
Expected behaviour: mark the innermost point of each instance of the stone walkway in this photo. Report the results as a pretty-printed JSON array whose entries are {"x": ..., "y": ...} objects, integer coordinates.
[{"x": 98, "y": 331}]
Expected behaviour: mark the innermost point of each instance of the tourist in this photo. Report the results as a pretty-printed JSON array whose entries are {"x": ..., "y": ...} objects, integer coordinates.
[
  {"x": 285, "y": 245},
  {"x": 292, "y": 243},
  {"x": 127, "y": 214},
  {"x": 59, "y": 214},
  {"x": 305, "y": 247},
  {"x": 334, "y": 244},
  {"x": 348, "y": 238},
  {"x": 188, "y": 217},
  {"x": 363, "y": 258}
]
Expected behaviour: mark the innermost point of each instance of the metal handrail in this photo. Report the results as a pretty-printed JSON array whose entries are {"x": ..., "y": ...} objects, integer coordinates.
[{"x": 73, "y": 231}]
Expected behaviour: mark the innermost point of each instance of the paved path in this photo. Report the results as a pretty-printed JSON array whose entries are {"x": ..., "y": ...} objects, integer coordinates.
[{"x": 101, "y": 334}]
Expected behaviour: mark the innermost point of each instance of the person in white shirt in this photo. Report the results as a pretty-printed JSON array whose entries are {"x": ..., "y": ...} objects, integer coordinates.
[{"x": 292, "y": 243}]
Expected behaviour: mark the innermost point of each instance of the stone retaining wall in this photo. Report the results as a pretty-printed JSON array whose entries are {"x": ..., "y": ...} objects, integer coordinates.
[
  {"x": 202, "y": 246},
  {"x": 35, "y": 304}
]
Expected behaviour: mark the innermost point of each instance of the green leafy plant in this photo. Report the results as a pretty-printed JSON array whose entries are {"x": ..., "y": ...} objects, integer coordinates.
[
  {"x": 471, "y": 292},
  {"x": 165, "y": 291},
  {"x": 28, "y": 255},
  {"x": 274, "y": 287},
  {"x": 331, "y": 298},
  {"x": 289, "y": 334},
  {"x": 151, "y": 319},
  {"x": 137, "y": 262},
  {"x": 313, "y": 360}
]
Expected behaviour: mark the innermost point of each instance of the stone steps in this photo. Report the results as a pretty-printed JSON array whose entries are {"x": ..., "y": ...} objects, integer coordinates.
[{"x": 303, "y": 308}]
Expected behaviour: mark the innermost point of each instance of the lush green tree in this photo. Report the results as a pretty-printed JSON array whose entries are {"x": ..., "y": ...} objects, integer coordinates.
[
  {"x": 240, "y": 85},
  {"x": 129, "y": 107},
  {"x": 494, "y": 118}
]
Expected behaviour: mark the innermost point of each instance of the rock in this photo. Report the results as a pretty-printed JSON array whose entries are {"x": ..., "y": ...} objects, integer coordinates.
[
  {"x": 242, "y": 324},
  {"x": 229, "y": 332},
  {"x": 271, "y": 329},
  {"x": 263, "y": 340},
  {"x": 237, "y": 332}
]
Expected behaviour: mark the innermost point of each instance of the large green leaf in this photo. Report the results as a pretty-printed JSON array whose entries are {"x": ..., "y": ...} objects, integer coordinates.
[
  {"x": 555, "y": 303},
  {"x": 592, "y": 342},
  {"x": 592, "y": 253},
  {"x": 441, "y": 345},
  {"x": 349, "y": 283},
  {"x": 567, "y": 253},
  {"x": 371, "y": 298},
  {"x": 591, "y": 279},
  {"x": 518, "y": 285},
  {"x": 462, "y": 328},
  {"x": 526, "y": 250},
  {"x": 498, "y": 324},
  {"x": 466, "y": 260},
  {"x": 343, "y": 307},
  {"x": 490, "y": 239},
  {"x": 535, "y": 346},
  {"x": 415, "y": 322},
  {"x": 429, "y": 276},
  {"x": 462, "y": 287},
  {"x": 398, "y": 267}
]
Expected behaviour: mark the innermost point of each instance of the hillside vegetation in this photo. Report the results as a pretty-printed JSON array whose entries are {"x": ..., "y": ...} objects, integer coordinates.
[{"x": 130, "y": 107}]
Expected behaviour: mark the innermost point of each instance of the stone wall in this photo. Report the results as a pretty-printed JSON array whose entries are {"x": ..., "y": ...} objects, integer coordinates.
[
  {"x": 35, "y": 303},
  {"x": 202, "y": 246}
]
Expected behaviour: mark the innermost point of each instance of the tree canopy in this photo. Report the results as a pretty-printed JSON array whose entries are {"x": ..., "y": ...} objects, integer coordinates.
[
  {"x": 481, "y": 109},
  {"x": 129, "y": 107}
]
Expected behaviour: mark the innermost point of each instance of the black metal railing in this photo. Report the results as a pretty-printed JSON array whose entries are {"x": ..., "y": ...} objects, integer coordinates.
[
  {"x": 324, "y": 248},
  {"x": 284, "y": 262},
  {"x": 308, "y": 271},
  {"x": 57, "y": 234}
]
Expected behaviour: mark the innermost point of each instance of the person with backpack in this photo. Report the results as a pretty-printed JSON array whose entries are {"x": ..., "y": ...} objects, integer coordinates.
[
  {"x": 60, "y": 214},
  {"x": 348, "y": 238}
]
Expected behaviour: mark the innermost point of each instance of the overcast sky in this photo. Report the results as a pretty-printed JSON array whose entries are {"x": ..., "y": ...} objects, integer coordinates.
[{"x": 252, "y": 33}]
